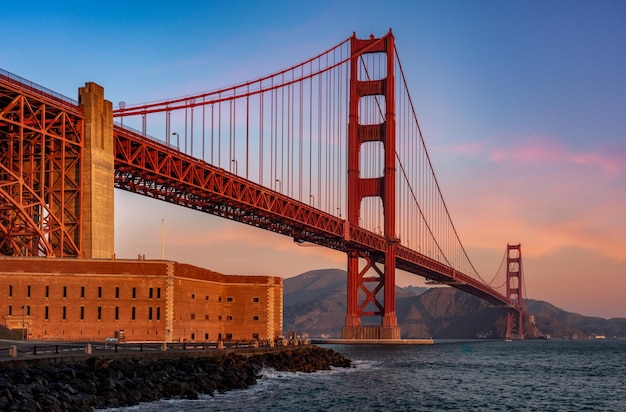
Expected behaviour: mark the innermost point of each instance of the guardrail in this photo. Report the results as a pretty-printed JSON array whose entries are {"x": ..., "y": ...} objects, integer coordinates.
[{"x": 109, "y": 345}]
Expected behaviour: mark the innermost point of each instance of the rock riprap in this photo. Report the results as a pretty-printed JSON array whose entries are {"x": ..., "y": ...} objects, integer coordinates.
[{"x": 99, "y": 383}]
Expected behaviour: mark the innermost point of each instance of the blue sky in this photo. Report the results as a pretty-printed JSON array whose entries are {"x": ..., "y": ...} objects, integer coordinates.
[{"x": 523, "y": 107}]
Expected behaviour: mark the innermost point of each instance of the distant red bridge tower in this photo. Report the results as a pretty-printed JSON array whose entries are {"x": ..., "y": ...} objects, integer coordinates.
[{"x": 514, "y": 282}]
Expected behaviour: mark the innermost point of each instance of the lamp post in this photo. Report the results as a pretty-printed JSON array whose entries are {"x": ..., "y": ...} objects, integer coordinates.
[
  {"x": 162, "y": 239},
  {"x": 234, "y": 162},
  {"x": 279, "y": 184},
  {"x": 23, "y": 323},
  {"x": 122, "y": 107},
  {"x": 177, "y": 140}
]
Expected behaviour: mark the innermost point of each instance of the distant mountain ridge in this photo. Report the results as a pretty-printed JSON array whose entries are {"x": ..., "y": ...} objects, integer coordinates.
[{"x": 315, "y": 303}]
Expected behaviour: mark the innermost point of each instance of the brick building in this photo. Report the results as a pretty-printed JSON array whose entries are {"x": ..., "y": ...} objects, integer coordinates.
[{"x": 140, "y": 300}]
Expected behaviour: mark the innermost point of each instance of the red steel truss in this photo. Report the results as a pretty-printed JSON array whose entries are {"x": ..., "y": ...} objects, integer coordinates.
[
  {"x": 41, "y": 160},
  {"x": 149, "y": 168}
]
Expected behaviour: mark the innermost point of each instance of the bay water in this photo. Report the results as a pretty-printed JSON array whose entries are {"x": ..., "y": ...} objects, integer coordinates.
[{"x": 530, "y": 375}]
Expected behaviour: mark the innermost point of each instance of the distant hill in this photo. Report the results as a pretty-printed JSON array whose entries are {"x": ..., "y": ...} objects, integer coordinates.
[
  {"x": 557, "y": 322},
  {"x": 315, "y": 302}
]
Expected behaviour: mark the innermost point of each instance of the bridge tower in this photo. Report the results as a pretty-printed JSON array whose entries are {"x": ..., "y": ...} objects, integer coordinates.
[
  {"x": 364, "y": 290},
  {"x": 514, "y": 317}
]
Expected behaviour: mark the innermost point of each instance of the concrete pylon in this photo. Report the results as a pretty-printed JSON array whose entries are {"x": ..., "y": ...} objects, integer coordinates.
[{"x": 98, "y": 173}]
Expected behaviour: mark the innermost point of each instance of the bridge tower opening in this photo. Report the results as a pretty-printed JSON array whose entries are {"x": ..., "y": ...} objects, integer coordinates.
[
  {"x": 372, "y": 295},
  {"x": 514, "y": 316}
]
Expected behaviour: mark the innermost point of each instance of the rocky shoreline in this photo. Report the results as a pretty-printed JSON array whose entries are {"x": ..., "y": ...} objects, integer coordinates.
[{"x": 98, "y": 383}]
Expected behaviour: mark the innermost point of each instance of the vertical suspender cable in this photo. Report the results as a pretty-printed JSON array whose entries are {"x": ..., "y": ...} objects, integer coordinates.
[
  {"x": 219, "y": 133},
  {"x": 312, "y": 201},
  {"x": 247, "y": 129},
  {"x": 212, "y": 131},
  {"x": 261, "y": 129},
  {"x": 203, "y": 127}
]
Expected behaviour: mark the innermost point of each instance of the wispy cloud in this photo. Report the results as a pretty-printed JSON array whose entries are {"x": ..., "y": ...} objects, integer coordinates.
[
  {"x": 546, "y": 150},
  {"x": 537, "y": 150}
]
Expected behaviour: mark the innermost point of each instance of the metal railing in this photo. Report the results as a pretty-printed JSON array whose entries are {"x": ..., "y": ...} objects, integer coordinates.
[{"x": 22, "y": 350}]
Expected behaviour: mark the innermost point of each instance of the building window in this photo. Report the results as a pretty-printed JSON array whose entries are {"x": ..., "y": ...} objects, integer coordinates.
[
  {"x": 28, "y": 291},
  {"x": 117, "y": 313},
  {"x": 229, "y": 317},
  {"x": 158, "y": 313},
  {"x": 150, "y": 293},
  {"x": 99, "y": 312},
  {"x": 133, "y": 311},
  {"x": 255, "y": 336},
  {"x": 45, "y": 314},
  {"x": 10, "y": 290},
  {"x": 193, "y": 316},
  {"x": 47, "y": 291},
  {"x": 100, "y": 291},
  {"x": 229, "y": 299},
  {"x": 28, "y": 310},
  {"x": 82, "y": 313},
  {"x": 64, "y": 312},
  {"x": 10, "y": 310},
  {"x": 117, "y": 292},
  {"x": 82, "y": 291},
  {"x": 158, "y": 293},
  {"x": 229, "y": 336},
  {"x": 193, "y": 296},
  {"x": 206, "y": 297},
  {"x": 206, "y": 336},
  {"x": 64, "y": 291},
  {"x": 219, "y": 317},
  {"x": 150, "y": 313},
  {"x": 134, "y": 293},
  {"x": 255, "y": 318},
  {"x": 219, "y": 299},
  {"x": 206, "y": 317},
  {"x": 256, "y": 300},
  {"x": 193, "y": 336}
]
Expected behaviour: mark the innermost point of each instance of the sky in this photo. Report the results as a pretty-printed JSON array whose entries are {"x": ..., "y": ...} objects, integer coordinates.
[{"x": 522, "y": 106}]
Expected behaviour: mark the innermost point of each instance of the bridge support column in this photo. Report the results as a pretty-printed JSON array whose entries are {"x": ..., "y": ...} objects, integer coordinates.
[
  {"x": 98, "y": 172},
  {"x": 514, "y": 317},
  {"x": 384, "y": 187}
]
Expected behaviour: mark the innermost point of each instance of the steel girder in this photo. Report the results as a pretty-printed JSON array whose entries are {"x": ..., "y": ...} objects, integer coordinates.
[
  {"x": 147, "y": 167},
  {"x": 41, "y": 151}
]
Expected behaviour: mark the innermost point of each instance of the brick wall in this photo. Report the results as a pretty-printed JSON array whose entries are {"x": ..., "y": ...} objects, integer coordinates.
[{"x": 77, "y": 299}]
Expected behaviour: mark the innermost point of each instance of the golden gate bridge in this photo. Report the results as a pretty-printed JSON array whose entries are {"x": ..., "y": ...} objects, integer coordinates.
[{"x": 328, "y": 151}]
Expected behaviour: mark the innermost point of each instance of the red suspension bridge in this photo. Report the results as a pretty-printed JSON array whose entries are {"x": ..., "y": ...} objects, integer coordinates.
[{"x": 329, "y": 151}]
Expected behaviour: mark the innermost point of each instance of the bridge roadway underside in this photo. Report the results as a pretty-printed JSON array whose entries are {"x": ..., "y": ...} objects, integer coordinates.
[{"x": 147, "y": 167}]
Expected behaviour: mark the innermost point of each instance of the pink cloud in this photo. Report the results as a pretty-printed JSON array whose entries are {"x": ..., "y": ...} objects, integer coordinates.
[{"x": 546, "y": 150}]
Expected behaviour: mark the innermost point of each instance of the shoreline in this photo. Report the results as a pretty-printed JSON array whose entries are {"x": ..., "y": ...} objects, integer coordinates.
[
  {"x": 99, "y": 382},
  {"x": 429, "y": 341}
]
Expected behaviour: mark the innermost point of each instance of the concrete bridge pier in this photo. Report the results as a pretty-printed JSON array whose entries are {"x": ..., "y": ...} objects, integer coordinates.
[{"x": 98, "y": 173}]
